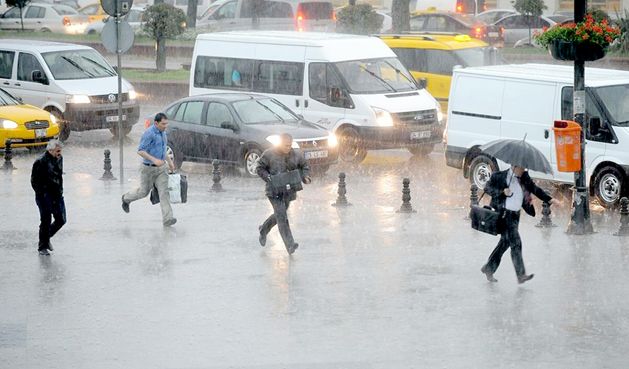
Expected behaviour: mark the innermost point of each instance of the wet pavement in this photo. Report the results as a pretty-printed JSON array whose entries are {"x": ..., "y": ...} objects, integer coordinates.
[{"x": 367, "y": 288}]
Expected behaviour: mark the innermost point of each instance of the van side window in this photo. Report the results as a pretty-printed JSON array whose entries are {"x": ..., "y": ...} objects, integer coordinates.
[
  {"x": 278, "y": 78},
  {"x": 218, "y": 113},
  {"x": 591, "y": 111},
  {"x": 322, "y": 78},
  {"x": 223, "y": 73},
  {"x": 26, "y": 65},
  {"x": 6, "y": 63}
]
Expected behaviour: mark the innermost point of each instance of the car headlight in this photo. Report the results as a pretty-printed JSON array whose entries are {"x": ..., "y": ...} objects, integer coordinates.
[
  {"x": 383, "y": 117},
  {"x": 132, "y": 95},
  {"x": 77, "y": 99},
  {"x": 7, "y": 124},
  {"x": 275, "y": 140},
  {"x": 53, "y": 119},
  {"x": 440, "y": 115},
  {"x": 332, "y": 140}
]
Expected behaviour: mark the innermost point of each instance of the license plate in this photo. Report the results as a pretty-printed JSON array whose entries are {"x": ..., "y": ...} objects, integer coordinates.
[
  {"x": 493, "y": 34},
  {"x": 316, "y": 154},
  {"x": 420, "y": 135},
  {"x": 114, "y": 118},
  {"x": 40, "y": 133}
]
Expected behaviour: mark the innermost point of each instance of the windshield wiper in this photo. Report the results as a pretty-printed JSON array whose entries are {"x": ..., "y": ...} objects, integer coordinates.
[
  {"x": 272, "y": 112},
  {"x": 99, "y": 65},
  {"x": 77, "y": 66},
  {"x": 400, "y": 73},
  {"x": 378, "y": 78}
]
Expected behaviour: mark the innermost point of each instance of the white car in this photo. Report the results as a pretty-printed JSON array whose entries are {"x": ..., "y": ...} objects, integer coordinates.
[
  {"x": 515, "y": 27},
  {"x": 134, "y": 18},
  {"x": 45, "y": 18},
  {"x": 494, "y": 15}
]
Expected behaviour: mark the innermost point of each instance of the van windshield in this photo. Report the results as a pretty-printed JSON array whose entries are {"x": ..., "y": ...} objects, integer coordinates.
[
  {"x": 77, "y": 64},
  {"x": 616, "y": 101},
  {"x": 375, "y": 76},
  {"x": 256, "y": 111}
]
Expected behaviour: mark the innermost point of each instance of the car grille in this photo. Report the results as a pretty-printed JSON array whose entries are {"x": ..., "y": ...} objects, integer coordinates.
[
  {"x": 313, "y": 144},
  {"x": 415, "y": 118},
  {"x": 104, "y": 99},
  {"x": 37, "y": 124}
]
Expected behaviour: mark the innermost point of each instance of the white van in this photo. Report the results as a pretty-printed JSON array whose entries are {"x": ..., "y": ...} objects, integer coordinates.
[
  {"x": 73, "y": 82},
  {"x": 353, "y": 85},
  {"x": 511, "y": 101}
]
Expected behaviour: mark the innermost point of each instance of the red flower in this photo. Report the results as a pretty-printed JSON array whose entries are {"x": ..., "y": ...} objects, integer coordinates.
[{"x": 586, "y": 36}]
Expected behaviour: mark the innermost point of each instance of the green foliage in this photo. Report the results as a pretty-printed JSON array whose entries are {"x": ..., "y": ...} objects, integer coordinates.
[
  {"x": 163, "y": 21},
  {"x": 599, "y": 15},
  {"x": 623, "y": 24},
  {"x": 358, "y": 19},
  {"x": 529, "y": 7}
]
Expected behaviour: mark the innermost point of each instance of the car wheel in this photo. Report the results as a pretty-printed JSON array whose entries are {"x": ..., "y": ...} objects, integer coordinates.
[
  {"x": 351, "y": 147},
  {"x": 481, "y": 169},
  {"x": 125, "y": 129},
  {"x": 250, "y": 162},
  {"x": 608, "y": 186},
  {"x": 421, "y": 151},
  {"x": 175, "y": 155}
]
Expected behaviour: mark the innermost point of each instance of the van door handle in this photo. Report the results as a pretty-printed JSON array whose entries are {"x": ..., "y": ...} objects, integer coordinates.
[
  {"x": 546, "y": 134},
  {"x": 18, "y": 84},
  {"x": 6, "y": 83},
  {"x": 305, "y": 103},
  {"x": 297, "y": 102}
]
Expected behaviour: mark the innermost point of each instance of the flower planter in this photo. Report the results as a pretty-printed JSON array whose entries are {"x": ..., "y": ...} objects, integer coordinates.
[{"x": 586, "y": 51}]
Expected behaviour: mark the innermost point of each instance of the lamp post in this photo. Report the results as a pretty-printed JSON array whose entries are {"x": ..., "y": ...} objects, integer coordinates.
[{"x": 580, "y": 223}]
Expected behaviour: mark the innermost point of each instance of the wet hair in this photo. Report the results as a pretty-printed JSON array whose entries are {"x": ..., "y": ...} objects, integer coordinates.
[
  {"x": 160, "y": 116},
  {"x": 285, "y": 137},
  {"x": 53, "y": 144}
]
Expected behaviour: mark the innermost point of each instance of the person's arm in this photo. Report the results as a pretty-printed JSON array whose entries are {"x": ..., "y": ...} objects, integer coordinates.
[
  {"x": 536, "y": 190},
  {"x": 492, "y": 187},
  {"x": 145, "y": 142},
  {"x": 304, "y": 168},
  {"x": 263, "y": 167},
  {"x": 37, "y": 182}
]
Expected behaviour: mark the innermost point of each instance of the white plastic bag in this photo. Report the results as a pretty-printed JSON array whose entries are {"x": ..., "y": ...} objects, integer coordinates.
[{"x": 174, "y": 188}]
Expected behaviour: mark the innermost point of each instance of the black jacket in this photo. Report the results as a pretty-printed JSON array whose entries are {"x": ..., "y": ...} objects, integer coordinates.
[
  {"x": 273, "y": 162},
  {"x": 46, "y": 177},
  {"x": 497, "y": 184}
]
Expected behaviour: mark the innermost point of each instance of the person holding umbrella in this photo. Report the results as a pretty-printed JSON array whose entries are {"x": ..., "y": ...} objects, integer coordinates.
[{"x": 510, "y": 192}]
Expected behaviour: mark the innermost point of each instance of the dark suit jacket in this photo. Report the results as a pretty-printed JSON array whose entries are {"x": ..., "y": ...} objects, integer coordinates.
[
  {"x": 499, "y": 181},
  {"x": 46, "y": 176},
  {"x": 273, "y": 162}
]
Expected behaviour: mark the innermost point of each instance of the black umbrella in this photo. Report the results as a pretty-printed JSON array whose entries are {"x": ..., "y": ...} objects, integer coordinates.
[{"x": 518, "y": 152}]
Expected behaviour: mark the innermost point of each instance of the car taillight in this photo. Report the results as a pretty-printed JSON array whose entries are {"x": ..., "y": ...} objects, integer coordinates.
[
  {"x": 502, "y": 31},
  {"x": 333, "y": 15},
  {"x": 66, "y": 21},
  {"x": 299, "y": 22},
  {"x": 478, "y": 31},
  {"x": 459, "y": 8}
]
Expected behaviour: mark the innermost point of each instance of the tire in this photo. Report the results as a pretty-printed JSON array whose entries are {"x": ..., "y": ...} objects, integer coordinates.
[
  {"x": 608, "y": 186},
  {"x": 421, "y": 151},
  {"x": 351, "y": 147},
  {"x": 250, "y": 162},
  {"x": 64, "y": 127},
  {"x": 320, "y": 170},
  {"x": 175, "y": 155},
  {"x": 125, "y": 129},
  {"x": 44, "y": 30},
  {"x": 481, "y": 169}
]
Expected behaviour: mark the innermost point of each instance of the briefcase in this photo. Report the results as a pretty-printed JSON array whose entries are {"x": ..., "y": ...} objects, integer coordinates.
[
  {"x": 485, "y": 219},
  {"x": 286, "y": 182}
]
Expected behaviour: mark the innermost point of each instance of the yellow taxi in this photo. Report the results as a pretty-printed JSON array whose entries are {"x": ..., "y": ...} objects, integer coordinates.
[
  {"x": 94, "y": 12},
  {"x": 430, "y": 57},
  {"x": 25, "y": 125}
]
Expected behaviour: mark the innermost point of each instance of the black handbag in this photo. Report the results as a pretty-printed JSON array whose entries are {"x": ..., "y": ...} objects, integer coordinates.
[
  {"x": 286, "y": 182},
  {"x": 485, "y": 219}
]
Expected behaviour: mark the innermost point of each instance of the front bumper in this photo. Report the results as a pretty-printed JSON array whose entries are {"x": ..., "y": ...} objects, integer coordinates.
[
  {"x": 83, "y": 117},
  {"x": 27, "y": 137},
  {"x": 400, "y": 136},
  {"x": 314, "y": 161}
]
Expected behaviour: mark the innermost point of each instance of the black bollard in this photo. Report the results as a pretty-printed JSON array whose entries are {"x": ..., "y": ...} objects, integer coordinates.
[
  {"x": 216, "y": 177},
  {"x": 546, "y": 221},
  {"x": 107, "y": 175},
  {"x": 8, "y": 155},
  {"x": 624, "y": 218},
  {"x": 341, "y": 200},
  {"x": 406, "y": 197},
  {"x": 473, "y": 199}
]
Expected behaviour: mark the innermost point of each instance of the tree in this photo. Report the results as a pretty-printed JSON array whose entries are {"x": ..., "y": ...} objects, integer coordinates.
[
  {"x": 163, "y": 21},
  {"x": 192, "y": 14},
  {"x": 401, "y": 16},
  {"x": 532, "y": 9},
  {"x": 358, "y": 19},
  {"x": 20, "y": 4}
]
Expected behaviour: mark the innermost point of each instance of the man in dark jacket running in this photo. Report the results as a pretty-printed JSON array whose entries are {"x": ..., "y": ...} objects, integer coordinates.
[
  {"x": 47, "y": 181},
  {"x": 281, "y": 159},
  {"x": 510, "y": 191}
]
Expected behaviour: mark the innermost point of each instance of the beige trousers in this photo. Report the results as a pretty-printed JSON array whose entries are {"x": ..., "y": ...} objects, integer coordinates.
[{"x": 150, "y": 176}]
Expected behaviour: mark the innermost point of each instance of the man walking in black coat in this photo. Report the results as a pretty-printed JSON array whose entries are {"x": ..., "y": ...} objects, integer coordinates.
[
  {"x": 47, "y": 181},
  {"x": 281, "y": 159},
  {"x": 510, "y": 191}
]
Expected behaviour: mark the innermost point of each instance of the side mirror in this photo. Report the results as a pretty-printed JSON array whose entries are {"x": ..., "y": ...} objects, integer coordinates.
[
  {"x": 421, "y": 82},
  {"x": 38, "y": 77},
  {"x": 595, "y": 126},
  {"x": 229, "y": 125}
]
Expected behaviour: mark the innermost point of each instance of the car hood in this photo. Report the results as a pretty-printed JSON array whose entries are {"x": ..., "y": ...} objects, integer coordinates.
[
  {"x": 93, "y": 86},
  {"x": 21, "y": 114},
  {"x": 304, "y": 130},
  {"x": 401, "y": 102}
]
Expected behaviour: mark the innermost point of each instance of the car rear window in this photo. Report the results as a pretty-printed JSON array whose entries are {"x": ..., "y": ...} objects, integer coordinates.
[{"x": 318, "y": 10}]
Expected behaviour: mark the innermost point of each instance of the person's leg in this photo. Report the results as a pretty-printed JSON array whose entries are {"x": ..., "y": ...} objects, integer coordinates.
[
  {"x": 515, "y": 242},
  {"x": 161, "y": 182},
  {"x": 494, "y": 258},
  {"x": 271, "y": 221},
  {"x": 279, "y": 207},
  {"x": 59, "y": 213},
  {"x": 45, "y": 216},
  {"x": 146, "y": 183}
]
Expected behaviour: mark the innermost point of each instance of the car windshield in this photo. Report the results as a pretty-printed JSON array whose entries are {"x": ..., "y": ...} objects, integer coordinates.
[
  {"x": 6, "y": 99},
  {"x": 477, "y": 57},
  {"x": 77, "y": 64},
  {"x": 376, "y": 76},
  {"x": 256, "y": 111},
  {"x": 616, "y": 101}
]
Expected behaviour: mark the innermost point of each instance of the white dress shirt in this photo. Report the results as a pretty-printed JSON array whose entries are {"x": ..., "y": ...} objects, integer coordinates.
[{"x": 514, "y": 202}]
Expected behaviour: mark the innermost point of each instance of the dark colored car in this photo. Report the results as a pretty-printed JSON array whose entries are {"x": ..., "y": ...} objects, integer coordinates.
[
  {"x": 455, "y": 22},
  {"x": 236, "y": 128}
]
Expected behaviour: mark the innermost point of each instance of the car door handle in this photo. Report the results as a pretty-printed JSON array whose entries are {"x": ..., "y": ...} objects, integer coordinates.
[
  {"x": 18, "y": 84},
  {"x": 546, "y": 134},
  {"x": 6, "y": 83},
  {"x": 297, "y": 102}
]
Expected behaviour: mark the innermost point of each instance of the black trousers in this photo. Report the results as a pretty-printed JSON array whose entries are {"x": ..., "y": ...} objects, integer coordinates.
[
  {"x": 280, "y": 218},
  {"x": 510, "y": 238},
  {"x": 49, "y": 207}
]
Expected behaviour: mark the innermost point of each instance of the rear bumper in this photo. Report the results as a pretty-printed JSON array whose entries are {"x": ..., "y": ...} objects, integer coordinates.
[
  {"x": 455, "y": 156},
  {"x": 399, "y": 137},
  {"x": 83, "y": 117}
]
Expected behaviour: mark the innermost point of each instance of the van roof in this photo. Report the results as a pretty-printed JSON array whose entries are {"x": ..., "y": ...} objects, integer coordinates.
[
  {"x": 594, "y": 77},
  {"x": 280, "y": 37},
  {"x": 39, "y": 46}
]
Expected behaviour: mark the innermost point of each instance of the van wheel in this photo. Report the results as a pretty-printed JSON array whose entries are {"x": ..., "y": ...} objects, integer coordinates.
[
  {"x": 250, "y": 162},
  {"x": 481, "y": 169},
  {"x": 175, "y": 155},
  {"x": 608, "y": 186},
  {"x": 421, "y": 151},
  {"x": 351, "y": 149}
]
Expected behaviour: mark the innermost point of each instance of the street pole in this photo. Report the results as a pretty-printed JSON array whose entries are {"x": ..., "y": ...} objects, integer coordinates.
[
  {"x": 118, "y": 56},
  {"x": 580, "y": 223}
]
